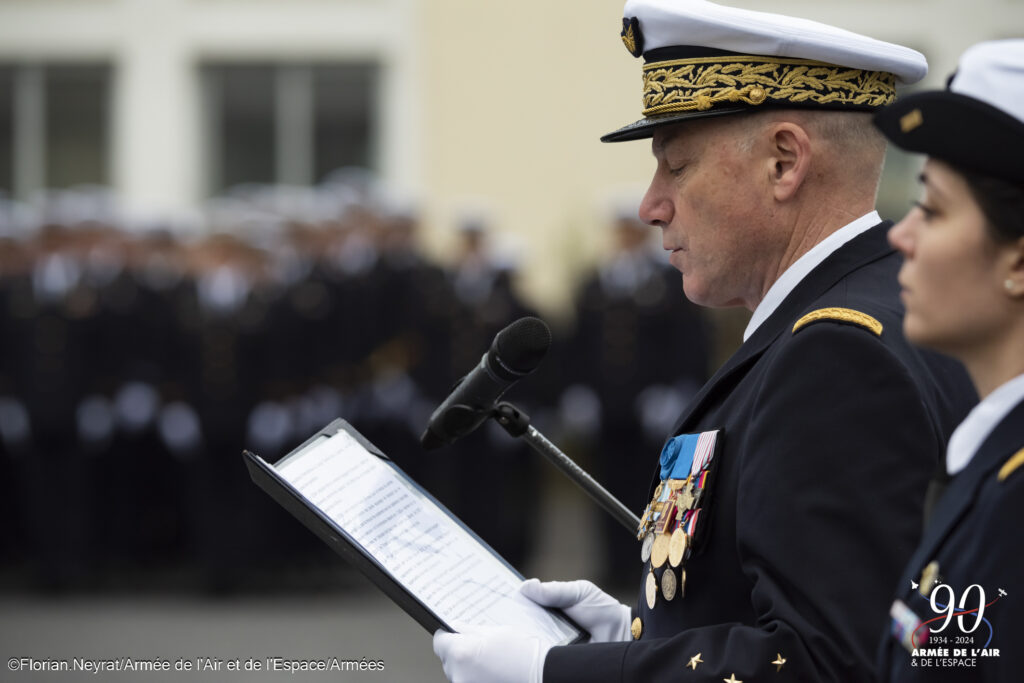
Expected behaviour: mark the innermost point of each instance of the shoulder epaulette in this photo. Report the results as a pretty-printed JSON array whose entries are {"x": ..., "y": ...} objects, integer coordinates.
[
  {"x": 1015, "y": 461},
  {"x": 842, "y": 315}
]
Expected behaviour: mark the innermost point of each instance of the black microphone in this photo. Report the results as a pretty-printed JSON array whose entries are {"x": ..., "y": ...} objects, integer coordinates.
[{"x": 516, "y": 352}]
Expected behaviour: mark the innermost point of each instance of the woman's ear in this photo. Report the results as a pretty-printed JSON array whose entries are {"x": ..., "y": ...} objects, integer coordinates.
[
  {"x": 1014, "y": 281},
  {"x": 789, "y": 158}
]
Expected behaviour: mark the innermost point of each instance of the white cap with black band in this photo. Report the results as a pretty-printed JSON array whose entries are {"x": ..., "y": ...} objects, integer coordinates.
[{"x": 703, "y": 59}]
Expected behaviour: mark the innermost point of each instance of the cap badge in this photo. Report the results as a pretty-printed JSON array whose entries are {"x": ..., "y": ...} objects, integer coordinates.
[
  {"x": 631, "y": 36},
  {"x": 910, "y": 121}
]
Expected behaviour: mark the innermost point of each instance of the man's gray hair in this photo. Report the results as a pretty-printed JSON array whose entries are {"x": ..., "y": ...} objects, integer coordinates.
[{"x": 855, "y": 145}]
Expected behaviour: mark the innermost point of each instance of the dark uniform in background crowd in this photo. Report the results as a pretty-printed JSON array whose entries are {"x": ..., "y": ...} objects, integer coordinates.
[
  {"x": 224, "y": 317},
  {"x": 52, "y": 314},
  {"x": 136, "y": 480},
  {"x": 405, "y": 363},
  {"x": 491, "y": 470},
  {"x": 790, "y": 494},
  {"x": 15, "y": 275},
  {"x": 629, "y": 312},
  {"x": 13, "y": 264}
]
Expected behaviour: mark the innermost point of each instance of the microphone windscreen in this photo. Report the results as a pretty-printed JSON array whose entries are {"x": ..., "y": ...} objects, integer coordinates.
[{"x": 521, "y": 346}]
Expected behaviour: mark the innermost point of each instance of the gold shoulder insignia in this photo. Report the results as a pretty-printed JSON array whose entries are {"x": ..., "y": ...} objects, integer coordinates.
[
  {"x": 1015, "y": 461},
  {"x": 842, "y": 315}
]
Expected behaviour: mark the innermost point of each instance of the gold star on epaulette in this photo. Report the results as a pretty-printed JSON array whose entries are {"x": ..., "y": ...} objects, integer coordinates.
[
  {"x": 779, "y": 661},
  {"x": 732, "y": 679},
  {"x": 694, "y": 661}
]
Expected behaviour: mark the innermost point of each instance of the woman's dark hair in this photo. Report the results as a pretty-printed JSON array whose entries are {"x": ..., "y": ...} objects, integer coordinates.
[{"x": 1001, "y": 201}]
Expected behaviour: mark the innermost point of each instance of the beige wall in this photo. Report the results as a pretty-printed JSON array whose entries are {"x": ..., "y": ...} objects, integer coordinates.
[{"x": 517, "y": 95}]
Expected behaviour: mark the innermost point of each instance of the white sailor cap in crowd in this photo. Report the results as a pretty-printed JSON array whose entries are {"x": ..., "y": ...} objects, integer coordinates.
[
  {"x": 473, "y": 216},
  {"x": 977, "y": 122},
  {"x": 703, "y": 59}
]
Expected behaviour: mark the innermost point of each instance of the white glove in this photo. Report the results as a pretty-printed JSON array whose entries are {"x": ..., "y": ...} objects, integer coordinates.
[
  {"x": 490, "y": 655},
  {"x": 603, "y": 616}
]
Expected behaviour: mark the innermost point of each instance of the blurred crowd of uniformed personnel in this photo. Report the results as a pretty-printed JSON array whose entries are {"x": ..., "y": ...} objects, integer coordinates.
[{"x": 138, "y": 363}]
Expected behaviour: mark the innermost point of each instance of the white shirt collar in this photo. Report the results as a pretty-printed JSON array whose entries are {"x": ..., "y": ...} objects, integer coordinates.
[
  {"x": 792, "y": 276},
  {"x": 979, "y": 423}
]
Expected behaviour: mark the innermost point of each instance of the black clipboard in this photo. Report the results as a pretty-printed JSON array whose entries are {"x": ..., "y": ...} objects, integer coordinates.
[{"x": 267, "y": 478}]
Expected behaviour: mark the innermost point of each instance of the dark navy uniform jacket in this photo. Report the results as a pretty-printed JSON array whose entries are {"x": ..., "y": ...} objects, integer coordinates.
[
  {"x": 973, "y": 538},
  {"x": 830, "y": 436}
]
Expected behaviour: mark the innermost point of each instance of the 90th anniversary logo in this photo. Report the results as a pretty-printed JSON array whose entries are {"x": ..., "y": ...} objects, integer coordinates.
[{"x": 959, "y": 636}]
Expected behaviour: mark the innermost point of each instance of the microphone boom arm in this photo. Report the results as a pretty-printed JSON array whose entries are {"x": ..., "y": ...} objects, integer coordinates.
[{"x": 517, "y": 424}]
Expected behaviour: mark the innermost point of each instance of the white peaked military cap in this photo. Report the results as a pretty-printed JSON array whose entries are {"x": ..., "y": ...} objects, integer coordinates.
[
  {"x": 977, "y": 122},
  {"x": 703, "y": 59}
]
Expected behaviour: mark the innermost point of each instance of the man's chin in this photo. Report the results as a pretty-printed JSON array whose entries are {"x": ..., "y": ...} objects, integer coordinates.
[
  {"x": 702, "y": 296},
  {"x": 696, "y": 293}
]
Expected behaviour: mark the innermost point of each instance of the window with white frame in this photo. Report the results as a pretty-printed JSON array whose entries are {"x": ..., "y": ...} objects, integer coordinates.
[
  {"x": 6, "y": 129},
  {"x": 54, "y": 126},
  {"x": 287, "y": 123}
]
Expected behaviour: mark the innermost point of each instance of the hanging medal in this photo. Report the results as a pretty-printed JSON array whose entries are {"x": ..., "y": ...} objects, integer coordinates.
[
  {"x": 651, "y": 590},
  {"x": 668, "y": 584},
  {"x": 670, "y": 524}
]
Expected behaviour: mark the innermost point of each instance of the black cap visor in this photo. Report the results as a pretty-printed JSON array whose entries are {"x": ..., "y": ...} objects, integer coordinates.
[
  {"x": 644, "y": 128},
  {"x": 959, "y": 130}
]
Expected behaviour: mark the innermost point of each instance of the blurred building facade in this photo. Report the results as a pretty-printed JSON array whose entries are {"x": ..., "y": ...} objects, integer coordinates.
[{"x": 171, "y": 101}]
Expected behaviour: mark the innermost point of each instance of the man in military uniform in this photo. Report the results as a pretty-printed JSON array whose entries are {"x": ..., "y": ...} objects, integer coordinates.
[
  {"x": 484, "y": 301},
  {"x": 223, "y": 318},
  {"x": 790, "y": 497},
  {"x": 52, "y": 314}
]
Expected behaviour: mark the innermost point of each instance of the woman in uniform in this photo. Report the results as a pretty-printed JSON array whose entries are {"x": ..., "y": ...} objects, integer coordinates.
[{"x": 959, "y": 609}]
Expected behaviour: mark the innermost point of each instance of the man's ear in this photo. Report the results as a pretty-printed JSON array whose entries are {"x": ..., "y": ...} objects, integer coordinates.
[{"x": 789, "y": 158}]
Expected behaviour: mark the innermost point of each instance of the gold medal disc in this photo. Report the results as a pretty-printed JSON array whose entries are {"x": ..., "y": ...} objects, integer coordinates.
[
  {"x": 645, "y": 549},
  {"x": 651, "y": 590},
  {"x": 677, "y": 546},
  {"x": 668, "y": 584},
  {"x": 659, "y": 552}
]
